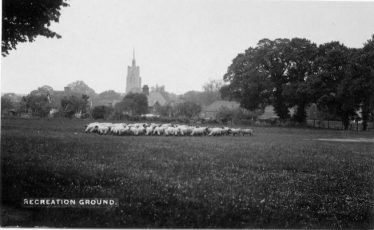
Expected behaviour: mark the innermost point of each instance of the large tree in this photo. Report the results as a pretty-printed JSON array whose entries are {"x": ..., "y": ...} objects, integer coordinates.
[
  {"x": 187, "y": 109},
  {"x": 257, "y": 77},
  {"x": 301, "y": 54},
  {"x": 74, "y": 104},
  {"x": 332, "y": 84},
  {"x": 39, "y": 105},
  {"x": 80, "y": 87},
  {"x": 272, "y": 57},
  {"x": 362, "y": 70},
  {"x": 133, "y": 103},
  {"x": 24, "y": 20},
  {"x": 6, "y": 103}
]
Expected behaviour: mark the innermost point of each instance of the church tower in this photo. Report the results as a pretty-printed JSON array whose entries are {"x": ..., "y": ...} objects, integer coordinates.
[{"x": 133, "y": 80}]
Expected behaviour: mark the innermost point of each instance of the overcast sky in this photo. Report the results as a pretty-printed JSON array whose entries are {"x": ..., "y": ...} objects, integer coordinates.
[{"x": 180, "y": 44}]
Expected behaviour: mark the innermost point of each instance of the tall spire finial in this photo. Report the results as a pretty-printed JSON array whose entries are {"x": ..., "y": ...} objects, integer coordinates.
[{"x": 133, "y": 57}]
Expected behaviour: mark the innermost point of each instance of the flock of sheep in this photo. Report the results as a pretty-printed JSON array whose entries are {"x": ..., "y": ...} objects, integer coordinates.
[{"x": 162, "y": 129}]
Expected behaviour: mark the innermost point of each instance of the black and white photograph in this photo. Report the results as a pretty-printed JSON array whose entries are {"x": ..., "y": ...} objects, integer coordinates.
[{"x": 187, "y": 114}]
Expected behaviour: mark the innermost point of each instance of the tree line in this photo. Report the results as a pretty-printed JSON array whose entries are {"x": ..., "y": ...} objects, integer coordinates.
[{"x": 295, "y": 72}]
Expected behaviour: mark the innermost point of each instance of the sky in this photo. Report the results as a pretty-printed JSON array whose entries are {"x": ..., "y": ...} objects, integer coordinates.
[{"x": 181, "y": 44}]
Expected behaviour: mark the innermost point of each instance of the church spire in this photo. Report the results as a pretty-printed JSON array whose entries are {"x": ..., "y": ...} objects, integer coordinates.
[{"x": 133, "y": 57}]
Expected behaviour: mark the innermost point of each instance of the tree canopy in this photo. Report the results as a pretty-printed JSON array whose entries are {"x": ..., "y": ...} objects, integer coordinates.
[
  {"x": 73, "y": 104},
  {"x": 133, "y": 104},
  {"x": 24, "y": 20},
  {"x": 288, "y": 73}
]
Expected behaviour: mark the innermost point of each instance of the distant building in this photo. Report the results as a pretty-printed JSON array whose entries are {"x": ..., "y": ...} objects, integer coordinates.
[
  {"x": 146, "y": 90},
  {"x": 269, "y": 114},
  {"x": 156, "y": 97},
  {"x": 211, "y": 110},
  {"x": 133, "y": 80}
]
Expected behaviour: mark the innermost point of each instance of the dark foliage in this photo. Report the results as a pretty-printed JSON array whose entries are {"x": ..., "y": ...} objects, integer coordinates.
[
  {"x": 24, "y": 20},
  {"x": 187, "y": 109},
  {"x": 37, "y": 104},
  {"x": 296, "y": 73},
  {"x": 73, "y": 104},
  {"x": 133, "y": 104},
  {"x": 101, "y": 112}
]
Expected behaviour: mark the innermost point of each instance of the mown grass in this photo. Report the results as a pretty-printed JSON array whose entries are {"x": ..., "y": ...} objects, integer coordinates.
[{"x": 278, "y": 178}]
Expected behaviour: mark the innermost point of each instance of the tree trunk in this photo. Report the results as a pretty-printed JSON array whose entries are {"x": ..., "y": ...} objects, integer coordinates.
[
  {"x": 280, "y": 107},
  {"x": 365, "y": 115},
  {"x": 345, "y": 120},
  {"x": 300, "y": 115}
]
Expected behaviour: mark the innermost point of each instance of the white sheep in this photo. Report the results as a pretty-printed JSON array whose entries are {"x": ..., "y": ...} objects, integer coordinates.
[
  {"x": 216, "y": 132},
  {"x": 117, "y": 129},
  {"x": 199, "y": 131},
  {"x": 103, "y": 128},
  {"x": 141, "y": 130},
  {"x": 170, "y": 131},
  {"x": 91, "y": 127},
  {"x": 247, "y": 131},
  {"x": 159, "y": 130},
  {"x": 235, "y": 132},
  {"x": 149, "y": 130}
]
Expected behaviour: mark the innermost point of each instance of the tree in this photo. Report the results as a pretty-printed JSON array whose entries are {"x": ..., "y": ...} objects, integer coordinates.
[
  {"x": 211, "y": 91},
  {"x": 38, "y": 104},
  {"x": 133, "y": 103},
  {"x": 301, "y": 55},
  {"x": 101, "y": 112},
  {"x": 164, "y": 110},
  {"x": 225, "y": 115},
  {"x": 187, "y": 109},
  {"x": 257, "y": 77},
  {"x": 80, "y": 87},
  {"x": 331, "y": 86},
  {"x": 250, "y": 87},
  {"x": 362, "y": 70},
  {"x": 6, "y": 103},
  {"x": 273, "y": 61},
  {"x": 108, "y": 95},
  {"x": 368, "y": 82},
  {"x": 74, "y": 104},
  {"x": 23, "y": 21}
]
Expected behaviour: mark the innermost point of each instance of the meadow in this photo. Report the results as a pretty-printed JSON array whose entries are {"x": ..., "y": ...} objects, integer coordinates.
[{"x": 278, "y": 178}]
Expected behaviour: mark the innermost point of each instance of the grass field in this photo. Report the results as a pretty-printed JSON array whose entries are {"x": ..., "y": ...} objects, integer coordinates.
[{"x": 278, "y": 178}]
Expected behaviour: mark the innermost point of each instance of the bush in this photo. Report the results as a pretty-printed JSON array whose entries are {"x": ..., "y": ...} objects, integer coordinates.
[{"x": 101, "y": 112}]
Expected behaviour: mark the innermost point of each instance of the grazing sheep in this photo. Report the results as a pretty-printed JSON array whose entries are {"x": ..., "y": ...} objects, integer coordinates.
[
  {"x": 247, "y": 131},
  {"x": 170, "y": 131},
  {"x": 149, "y": 130},
  {"x": 133, "y": 130},
  {"x": 225, "y": 131},
  {"x": 91, "y": 127},
  {"x": 235, "y": 132},
  {"x": 159, "y": 130},
  {"x": 103, "y": 128},
  {"x": 185, "y": 130},
  {"x": 162, "y": 129},
  {"x": 216, "y": 132},
  {"x": 141, "y": 130},
  {"x": 117, "y": 129},
  {"x": 200, "y": 131}
]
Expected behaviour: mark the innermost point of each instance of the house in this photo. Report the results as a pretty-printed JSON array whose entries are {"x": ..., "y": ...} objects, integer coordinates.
[
  {"x": 156, "y": 97},
  {"x": 210, "y": 111},
  {"x": 269, "y": 114}
]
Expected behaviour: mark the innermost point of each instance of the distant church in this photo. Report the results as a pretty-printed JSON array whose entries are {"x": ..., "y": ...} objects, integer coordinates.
[
  {"x": 133, "y": 80},
  {"x": 134, "y": 85}
]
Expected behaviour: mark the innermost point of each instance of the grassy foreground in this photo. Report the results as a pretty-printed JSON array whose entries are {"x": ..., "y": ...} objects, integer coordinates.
[{"x": 278, "y": 178}]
